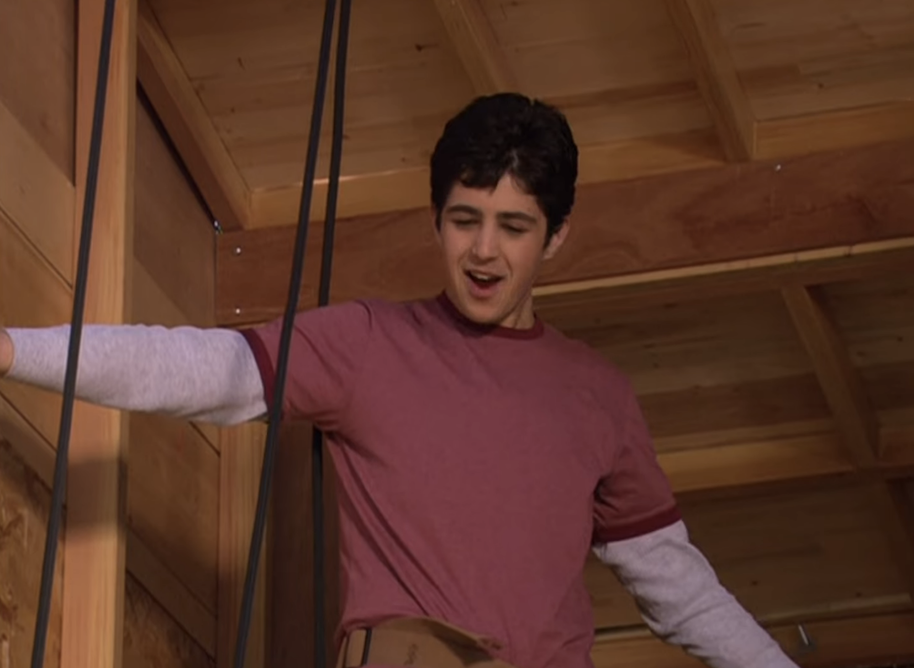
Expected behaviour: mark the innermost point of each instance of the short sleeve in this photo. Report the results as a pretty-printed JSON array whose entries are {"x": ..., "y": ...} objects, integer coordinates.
[
  {"x": 635, "y": 497},
  {"x": 327, "y": 352}
]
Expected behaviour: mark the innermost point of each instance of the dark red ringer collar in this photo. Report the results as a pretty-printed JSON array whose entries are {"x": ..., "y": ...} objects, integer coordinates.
[{"x": 491, "y": 330}]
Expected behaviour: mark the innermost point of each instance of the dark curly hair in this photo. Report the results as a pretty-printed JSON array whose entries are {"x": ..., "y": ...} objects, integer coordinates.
[{"x": 509, "y": 133}]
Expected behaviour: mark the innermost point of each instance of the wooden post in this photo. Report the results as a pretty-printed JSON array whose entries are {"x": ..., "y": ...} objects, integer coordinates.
[
  {"x": 94, "y": 551},
  {"x": 241, "y": 461}
]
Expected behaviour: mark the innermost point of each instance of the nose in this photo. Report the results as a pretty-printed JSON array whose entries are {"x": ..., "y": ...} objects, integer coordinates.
[{"x": 485, "y": 243}]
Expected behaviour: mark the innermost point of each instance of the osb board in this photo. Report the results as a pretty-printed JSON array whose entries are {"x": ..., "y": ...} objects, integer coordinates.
[
  {"x": 789, "y": 554},
  {"x": 37, "y": 82},
  {"x": 152, "y": 639},
  {"x": 24, "y": 508}
]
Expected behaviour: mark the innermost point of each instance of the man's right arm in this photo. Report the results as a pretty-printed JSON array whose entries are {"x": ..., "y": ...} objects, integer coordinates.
[{"x": 204, "y": 375}]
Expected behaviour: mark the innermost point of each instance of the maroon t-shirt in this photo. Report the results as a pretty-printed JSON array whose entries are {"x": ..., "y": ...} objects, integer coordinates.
[{"x": 477, "y": 466}]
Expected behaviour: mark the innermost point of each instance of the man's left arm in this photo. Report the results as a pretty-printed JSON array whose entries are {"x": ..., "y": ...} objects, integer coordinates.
[
  {"x": 683, "y": 602},
  {"x": 639, "y": 532}
]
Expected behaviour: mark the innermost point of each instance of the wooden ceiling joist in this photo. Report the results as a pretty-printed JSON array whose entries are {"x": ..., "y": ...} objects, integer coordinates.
[
  {"x": 474, "y": 40},
  {"x": 716, "y": 76},
  {"x": 841, "y": 383},
  {"x": 189, "y": 126},
  {"x": 855, "y": 419},
  {"x": 623, "y": 229}
]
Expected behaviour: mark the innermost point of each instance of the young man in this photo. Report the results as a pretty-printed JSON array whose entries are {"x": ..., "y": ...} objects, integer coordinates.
[{"x": 481, "y": 454}]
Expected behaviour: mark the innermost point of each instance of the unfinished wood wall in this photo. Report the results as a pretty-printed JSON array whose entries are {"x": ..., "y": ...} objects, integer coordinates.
[{"x": 171, "y": 587}]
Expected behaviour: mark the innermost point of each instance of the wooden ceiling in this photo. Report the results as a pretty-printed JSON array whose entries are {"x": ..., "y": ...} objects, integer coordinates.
[
  {"x": 740, "y": 247},
  {"x": 649, "y": 86}
]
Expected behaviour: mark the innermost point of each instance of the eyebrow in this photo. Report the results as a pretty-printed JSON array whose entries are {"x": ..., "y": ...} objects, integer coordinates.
[{"x": 502, "y": 215}]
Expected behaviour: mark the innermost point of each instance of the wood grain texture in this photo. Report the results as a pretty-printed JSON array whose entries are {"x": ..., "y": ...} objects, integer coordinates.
[
  {"x": 878, "y": 639},
  {"x": 36, "y": 194},
  {"x": 477, "y": 46},
  {"x": 717, "y": 77},
  {"x": 663, "y": 222},
  {"x": 96, "y": 494},
  {"x": 37, "y": 84},
  {"x": 177, "y": 103},
  {"x": 240, "y": 464}
]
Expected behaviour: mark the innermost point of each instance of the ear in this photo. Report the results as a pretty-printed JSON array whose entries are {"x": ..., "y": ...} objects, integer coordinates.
[
  {"x": 555, "y": 243},
  {"x": 435, "y": 226}
]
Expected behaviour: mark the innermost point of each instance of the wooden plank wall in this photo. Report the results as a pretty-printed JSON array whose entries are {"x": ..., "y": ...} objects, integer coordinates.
[{"x": 172, "y": 551}]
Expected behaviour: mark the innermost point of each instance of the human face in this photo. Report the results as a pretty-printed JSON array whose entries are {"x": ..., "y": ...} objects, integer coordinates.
[{"x": 493, "y": 246}]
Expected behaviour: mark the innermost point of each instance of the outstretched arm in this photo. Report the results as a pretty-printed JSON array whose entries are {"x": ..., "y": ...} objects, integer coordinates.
[
  {"x": 204, "y": 375},
  {"x": 683, "y": 603}
]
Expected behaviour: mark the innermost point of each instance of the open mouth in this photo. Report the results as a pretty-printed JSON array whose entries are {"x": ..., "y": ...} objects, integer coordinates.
[{"x": 483, "y": 280}]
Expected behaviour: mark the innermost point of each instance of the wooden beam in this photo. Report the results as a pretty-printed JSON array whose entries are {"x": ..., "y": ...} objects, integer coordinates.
[
  {"x": 189, "y": 125},
  {"x": 241, "y": 459},
  {"x": 841, "y": 384},
  {"x": 401, "y": 190},
  {"x": 661, "y": 223},
  {"x": 292, "y": 549},
  {"x": 96, "y": 529},
  {"x": 895, "y": 499},
  {"x": 477, "y": 47},
  {"x": 863, "y": 640},
  {"x": 856, "y": 420},
  {"x": 775, "y": 139},
  {"x": 716, "y": 76}
]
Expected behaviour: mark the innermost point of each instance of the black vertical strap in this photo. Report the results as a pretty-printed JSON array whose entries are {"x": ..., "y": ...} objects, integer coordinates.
[
  {"x": 79, "y": 301},
  {"x": 317, "y": 451},
  {"x": 275, "y": 415}
]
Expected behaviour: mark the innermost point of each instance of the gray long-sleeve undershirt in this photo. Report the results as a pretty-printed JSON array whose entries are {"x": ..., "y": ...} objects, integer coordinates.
[
  {"x": 202, "y": 375},
  {"x": 210, "y": 375}
]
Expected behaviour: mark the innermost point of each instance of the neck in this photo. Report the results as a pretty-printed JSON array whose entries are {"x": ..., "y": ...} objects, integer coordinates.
[{"x": 521, "y": 323}]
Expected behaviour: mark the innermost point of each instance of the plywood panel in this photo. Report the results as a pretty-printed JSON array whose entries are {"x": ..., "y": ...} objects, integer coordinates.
[
  {"x": 708, "y": 366},
  {"x": 253, "y": 66},
  {"x": 876, "y": 319},
  {"x": 38, "y": 84},
  {"x": 782, "y": 555},
  {"x": 806, "y": 56},
  {"x": 41, "y": 299},
  {"x": 24, "y": 508},
  {"x": 173, "y": 496},
  {"x": 151, "y": 637},
  {"x": 175, "y": 239},
  {"x": 36, "y": 195},
  {"x": 173, "y": 252}
]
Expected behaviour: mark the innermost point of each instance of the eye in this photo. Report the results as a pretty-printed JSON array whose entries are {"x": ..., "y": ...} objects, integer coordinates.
[{"x": 514, "y": 230}]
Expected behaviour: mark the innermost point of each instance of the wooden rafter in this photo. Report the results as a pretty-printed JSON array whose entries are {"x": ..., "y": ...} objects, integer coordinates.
[
  {"x": 476, "y": 45},
  {"x": 188, "y": 124},
  {"x": 856, "y": 421},
  {"x": 96, "y": 526},
  {"x": 716, "y": 76}
]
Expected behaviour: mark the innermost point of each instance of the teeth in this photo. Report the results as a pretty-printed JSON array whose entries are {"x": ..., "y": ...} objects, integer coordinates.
[{"x": 482, "y": 277}]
